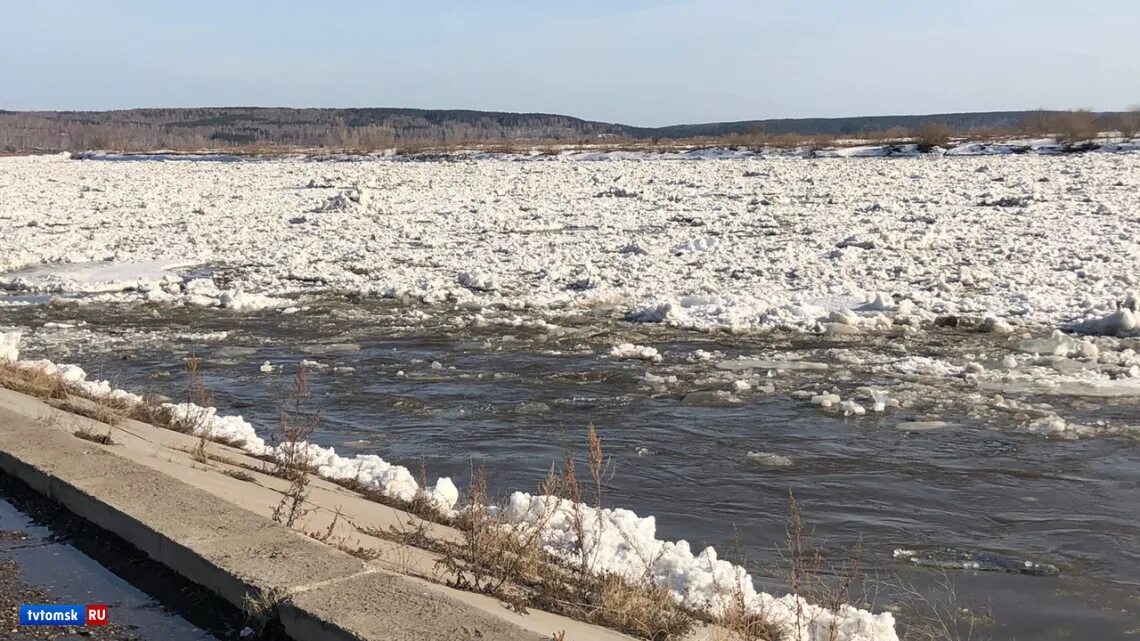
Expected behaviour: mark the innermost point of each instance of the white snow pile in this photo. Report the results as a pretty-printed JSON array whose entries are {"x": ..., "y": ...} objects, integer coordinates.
[{"x": 617, "y": 541}]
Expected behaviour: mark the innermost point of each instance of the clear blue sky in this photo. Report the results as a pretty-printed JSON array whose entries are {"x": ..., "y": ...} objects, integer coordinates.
[{"x": 643, "y": 62}]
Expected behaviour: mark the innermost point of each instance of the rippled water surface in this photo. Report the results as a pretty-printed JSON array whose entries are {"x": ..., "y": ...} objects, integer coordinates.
[{"x": 514, "y": 399}]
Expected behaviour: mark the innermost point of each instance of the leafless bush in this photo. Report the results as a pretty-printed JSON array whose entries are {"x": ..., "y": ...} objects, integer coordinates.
[
  {"x": 939, "y": 614},
  {"x": 1075, "y": 127},
  {"x": 806, "y": 571},
  {"x": 1037, "y": 123},
  {"x": 1127, "y": 123},
  {"x": 199, "y": 395},
  {"x": 931, "y": 134},
  {"x": 291, "y": 461}
]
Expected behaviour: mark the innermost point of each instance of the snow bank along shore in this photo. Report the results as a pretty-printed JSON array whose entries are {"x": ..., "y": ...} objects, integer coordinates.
[
  {"x": 742, "y": 245},
  {"x": 617, "y": 541}
]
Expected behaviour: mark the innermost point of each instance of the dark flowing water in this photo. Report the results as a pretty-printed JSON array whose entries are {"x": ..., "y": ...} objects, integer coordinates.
[{"x": 514, "y": 399}]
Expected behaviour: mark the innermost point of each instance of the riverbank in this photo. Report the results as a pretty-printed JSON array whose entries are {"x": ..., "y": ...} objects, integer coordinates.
[{"x": 214, "y": 529}]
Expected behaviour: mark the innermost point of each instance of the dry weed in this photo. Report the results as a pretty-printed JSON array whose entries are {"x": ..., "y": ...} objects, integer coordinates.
[{"x": 294, "y": 432}]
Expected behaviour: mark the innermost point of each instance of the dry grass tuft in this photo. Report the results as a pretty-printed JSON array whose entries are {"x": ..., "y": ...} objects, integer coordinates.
[
  {"x": 240, "y": 475},
  {"x": 105, "y": 412},
  {"x": 95, "y": 437},
  {"x": 32, "y": 381}
]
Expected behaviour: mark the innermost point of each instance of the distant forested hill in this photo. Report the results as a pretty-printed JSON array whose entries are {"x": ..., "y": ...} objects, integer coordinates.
[{"x": 252, "y": 127}]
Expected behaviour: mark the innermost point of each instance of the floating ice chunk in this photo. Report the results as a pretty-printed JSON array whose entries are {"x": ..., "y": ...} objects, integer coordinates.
[
  {"x": 741, "y": 364},
  {"x": 1058, "y": 344},
  {"x": 631, "y": 351},
  {"x": 656, "y": 312},
  {"x": 769, "y": 459},
  {"x": 851, "y": 408},
  {"x": 266, "y": 367},
  {"x": 1121, "y": 322},
  {"x": 881, "y": 303},
  {"x": 741, "y": 386},
  {"x": 9, "y": 346},
  {"x": 925, "y": 366},
  {"x": 243, "y": 302},
  {"x": 711, "y": 397},
  {"x": 880, "y": 399},
  {"x": 841, "y": 329},
  {"x": 697, "y": 245},
  {"x": 996, "y": 326},
  {"x": 825, "y": 400},
  {"x": 923, "y": 426},
  {"x": 476, "y": 281}
]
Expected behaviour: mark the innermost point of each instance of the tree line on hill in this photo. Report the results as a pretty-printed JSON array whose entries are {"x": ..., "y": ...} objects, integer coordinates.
[{"x": 361, "y": 130}]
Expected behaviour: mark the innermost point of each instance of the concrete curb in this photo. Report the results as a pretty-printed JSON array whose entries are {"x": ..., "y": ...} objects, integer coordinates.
[{"x": 323, "y": 593}]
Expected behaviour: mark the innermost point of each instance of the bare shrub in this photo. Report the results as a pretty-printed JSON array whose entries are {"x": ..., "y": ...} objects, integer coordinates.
[
  {"x": 809, "y": 577},
  {"x": 1037, "y": 123},
  {"x": 295, "y": 430},
  {"x": 1075, "y": 127},
  {"x": 939, "y": 614},
  {"x": 930, "y": 135},
  {"x": 1127, "y": 123},
  {"x": 198, "y": 394}
]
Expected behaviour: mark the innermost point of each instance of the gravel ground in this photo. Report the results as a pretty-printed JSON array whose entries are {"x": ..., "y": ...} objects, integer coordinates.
[{"x": 14, "y": 593}]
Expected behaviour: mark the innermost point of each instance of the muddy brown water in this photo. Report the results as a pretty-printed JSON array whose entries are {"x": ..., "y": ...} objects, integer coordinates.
[{"x": 514, "y": 399}]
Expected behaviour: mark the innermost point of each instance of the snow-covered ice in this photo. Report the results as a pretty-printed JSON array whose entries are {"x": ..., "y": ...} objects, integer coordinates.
[{"x": 854, "y": 244}]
